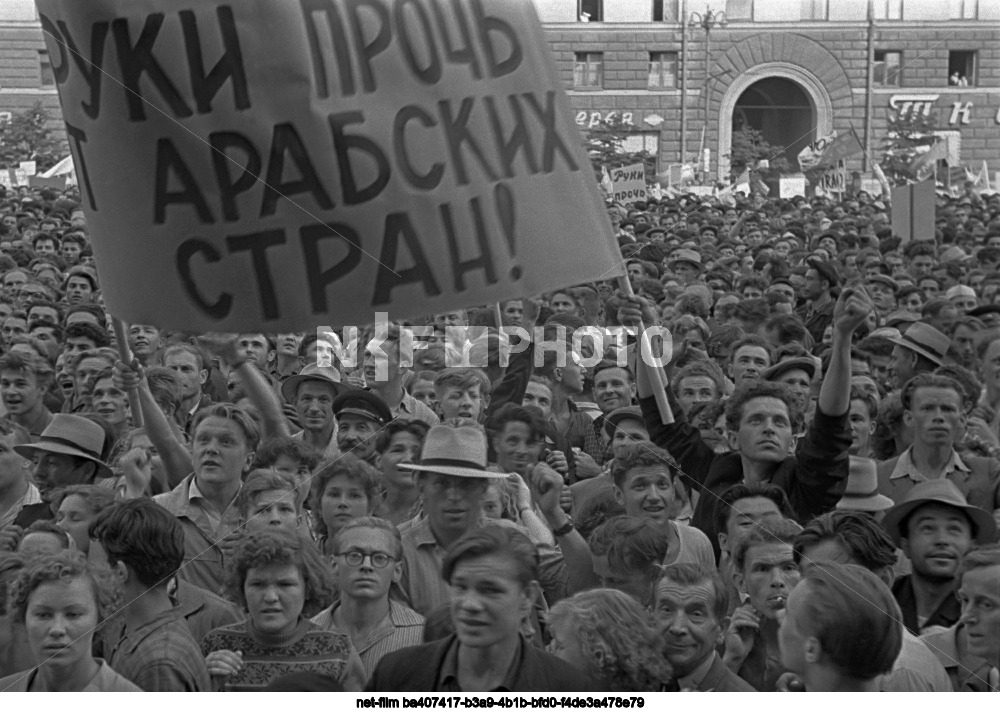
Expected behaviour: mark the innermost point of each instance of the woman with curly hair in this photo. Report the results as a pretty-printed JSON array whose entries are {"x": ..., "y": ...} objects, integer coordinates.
[
  {"x": 344, "y": 489},
  {"x": 60, "y": 602},
  {"x": 281, "y": 580},
  {"x": 606, "y": 635}
]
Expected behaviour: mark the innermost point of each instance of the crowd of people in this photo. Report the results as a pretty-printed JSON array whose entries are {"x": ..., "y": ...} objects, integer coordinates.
[{"x": 818, "y": 510}]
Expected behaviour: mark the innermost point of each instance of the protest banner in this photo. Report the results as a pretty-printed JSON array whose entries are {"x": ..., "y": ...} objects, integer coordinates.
[
  {"x": 7, "y": 177},
  {"x": 839, "y": 149},
  {"x": 792, "y": 185},
  {"x": 272, "y": 166},
  {"x": 628, "y": 183},
  {"x": 913, "y": 211},
  {"x": 810, "y": 156}
]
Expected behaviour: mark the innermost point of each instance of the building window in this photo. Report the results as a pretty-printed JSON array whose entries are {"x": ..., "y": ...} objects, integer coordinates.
[
  {"x": 666, "y": 10},
  {"x": 662, "y": 70},
  {"x": 45, "y": 67},
  {"x": 591, "y": 10},
  {"x": 588, "y": 73},
  {"x": 888, "y": 9},
  {"x": 887, "y": 68},
  {"x": 647, "y": 142},
  {"x": 962, "y": 68},
  {"x": 964, "y": 10}
]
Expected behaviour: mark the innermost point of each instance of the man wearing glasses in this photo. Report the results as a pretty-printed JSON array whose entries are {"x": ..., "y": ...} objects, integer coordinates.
[{"x": 367, "y": 562}]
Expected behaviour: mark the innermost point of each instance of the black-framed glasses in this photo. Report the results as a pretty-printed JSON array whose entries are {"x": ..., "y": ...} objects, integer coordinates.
[{"x": 379, "y": 559}]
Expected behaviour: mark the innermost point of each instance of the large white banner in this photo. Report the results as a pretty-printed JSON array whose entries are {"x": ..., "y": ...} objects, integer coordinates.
[{"x": 273, "y": 165}]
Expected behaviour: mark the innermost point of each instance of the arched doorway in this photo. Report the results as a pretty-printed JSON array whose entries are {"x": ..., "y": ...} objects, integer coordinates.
[
  {"x": 781, "y": 110},
  {"x": 780, "y": 82}
]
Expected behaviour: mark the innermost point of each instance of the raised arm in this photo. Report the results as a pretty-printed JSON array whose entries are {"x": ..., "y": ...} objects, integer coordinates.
[
  {"x": 165, "y": 438},
  {"x": 852, "y": 307},
  {"x": 259, "y": 391},
  {"x": 546, "y": 488}
]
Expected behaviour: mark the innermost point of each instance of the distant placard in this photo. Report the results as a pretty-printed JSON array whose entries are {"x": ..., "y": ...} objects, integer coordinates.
[
  {"x": 628, "y": 183},
  {"x": 29, "y": 167},
  {"x": 792, "y": 185},
  {"x": 273, "y": 166},
  {"x": 913, "y": 211},
  {"x": 835, "y": 178},
  {"x": 54, "y": 182},
  {"x": 872, "y": 186}
]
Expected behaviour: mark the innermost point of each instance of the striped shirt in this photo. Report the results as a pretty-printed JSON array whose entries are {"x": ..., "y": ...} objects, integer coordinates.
[{"x": 401, "y": 628}]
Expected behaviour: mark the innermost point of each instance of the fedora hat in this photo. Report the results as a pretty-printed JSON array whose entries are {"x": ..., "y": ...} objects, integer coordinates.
[
  {"x": 312, "y": 372},
  {"x": 924, "y": 339},
  {"x": 939, "y": 491},
  {"x": 457, "y": 451},
  {"x": 689, "y": 256},
  {"x": 861, "y": 493},
  {"x": 70, "y": 435}
]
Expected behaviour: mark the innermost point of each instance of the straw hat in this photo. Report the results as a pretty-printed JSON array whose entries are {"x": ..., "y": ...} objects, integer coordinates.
[
  {"x": 70, "y": 435},
  {"x": 460, "y": 452},
  {"x": 861, "y": 493},
  {"x": 939, "y": 491}
]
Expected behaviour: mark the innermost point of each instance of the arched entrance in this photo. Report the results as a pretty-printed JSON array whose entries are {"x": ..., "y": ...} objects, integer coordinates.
[
  {"x": 780, "y": 109},
  {"x": 788, "y": 103}
]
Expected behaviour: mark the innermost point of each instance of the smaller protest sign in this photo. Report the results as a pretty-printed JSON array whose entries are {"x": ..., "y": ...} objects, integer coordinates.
[
  {"x": 871, "y": 185},
  {"x": 792, "y": 185},
  {"x": 913, "y": 211},
  {"x": 54, "y": 182},
  {"x": 835, "y": 179},
  {"x": 628, "y": 183},
  {"x": 29, "y": 167}
]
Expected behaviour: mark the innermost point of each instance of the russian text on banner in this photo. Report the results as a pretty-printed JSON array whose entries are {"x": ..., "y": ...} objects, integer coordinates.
[{"x": 273, "y": 165}]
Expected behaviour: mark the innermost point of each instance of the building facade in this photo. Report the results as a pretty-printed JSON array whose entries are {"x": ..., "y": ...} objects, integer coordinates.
[
  {"x": 25, "y": 70},
  {"x": 682, "y": 74}
]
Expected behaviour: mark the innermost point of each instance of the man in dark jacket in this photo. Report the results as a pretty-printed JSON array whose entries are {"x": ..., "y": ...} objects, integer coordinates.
[
  {"x": 487, "y": 652},
  {"x": 761, "y": 419}
]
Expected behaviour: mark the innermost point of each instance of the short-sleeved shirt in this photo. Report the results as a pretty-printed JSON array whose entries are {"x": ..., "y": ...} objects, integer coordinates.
[{"x": 203, "y": 527}]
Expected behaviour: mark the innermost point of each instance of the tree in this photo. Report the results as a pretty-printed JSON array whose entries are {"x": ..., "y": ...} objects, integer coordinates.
[
  {"x": 605, "y": 144},
  {"x": 907, "y": 137},
  {"x": 749, "y": 147},
  {"x": 28, "y": 137}
]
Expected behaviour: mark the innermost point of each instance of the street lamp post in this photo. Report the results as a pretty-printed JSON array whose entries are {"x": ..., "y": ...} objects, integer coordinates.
[{"x": 707, "y": 21}]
